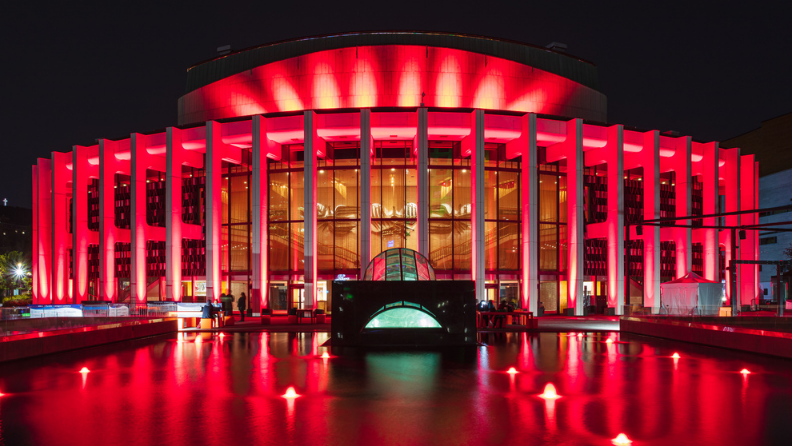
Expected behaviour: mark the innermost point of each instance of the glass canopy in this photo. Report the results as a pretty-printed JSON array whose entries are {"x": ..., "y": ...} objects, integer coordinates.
[{"x": 399, "y": 264}]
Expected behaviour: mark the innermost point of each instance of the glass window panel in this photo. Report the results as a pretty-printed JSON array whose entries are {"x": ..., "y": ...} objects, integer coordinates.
[
  {"x": 239, "y": 199},
  {"x": 224, "y": 248},
  {"x": 297, "y": 242},
  {"x": 412, "y": 235},
  {"x": 393, "y": 235},
  {"x": 411, "y": 193},
  {"x": 440, "y": 193},
  {"x": 346, "y": 194},
  {"x": 508, "y": 246},
  {"x": 297, "y": 191},
  {"x": 548, "y": 198},
  {"x": 462, "y": 208},
  {"x": 509, "y": 196},
  {"x": 239, "y": 247},
  {"x": 393, "y": 193},
  {"x": 562, "y": 199},
  {"x": 563, "y": 244},
  {"x": 490, "y": 195},
  {"x": 491, "y": 245},
  {"x": 548, "y": 247},
  {"x": 224, "y": 199},
  {"x": 324, "y": 245},
  {"x": 376, "y": 238},
  {"x": 346, "y": 245},
  {"x": 324, "y": 194},
  {"x": 279, "y": 247},
  {"x": 278, "y": 197},
  {"x": 440, "y": 245},
  {"x": 462, "y": 245},
  {"x": 376, "y": 193},
  {"x": 548, "y": 296}
]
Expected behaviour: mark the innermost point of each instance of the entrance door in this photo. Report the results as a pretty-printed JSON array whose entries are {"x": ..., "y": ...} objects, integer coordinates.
[
  {"x": 297, "y": 296},
  {"x": 278, "y": 296},
  {"x": 491, "y": 291}
]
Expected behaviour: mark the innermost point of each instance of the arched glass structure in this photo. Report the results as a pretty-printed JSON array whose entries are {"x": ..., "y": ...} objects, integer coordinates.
[{"x": 399, "y": 264}]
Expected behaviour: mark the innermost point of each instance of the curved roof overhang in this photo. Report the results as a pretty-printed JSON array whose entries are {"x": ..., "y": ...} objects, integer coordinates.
[{"x": 561, "y": 64}]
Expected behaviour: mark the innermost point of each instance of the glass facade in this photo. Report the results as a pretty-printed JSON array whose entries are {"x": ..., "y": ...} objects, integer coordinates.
[
  {"x": 450, "y": 210},
  {"x": 338, "y": 210},
  {"x": 552, "y": 234},
  {"x": 394, "y": 199}
]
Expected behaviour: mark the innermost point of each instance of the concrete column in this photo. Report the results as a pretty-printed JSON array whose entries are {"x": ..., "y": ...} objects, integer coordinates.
[
  {"x": 477, "y": 184},
  {"x": 709, "y": 177},
  {"x": 82, "y": 174},
  {"x": 366, "y": 148},
  {"x": 108, "y": 235},
  {"x": 34, "y": 233},
  {"x": 173, "y": 220},
  {"x": 749, "y": 248},
  {"x": 312, "y": 144},
  {"x": 60, "y": 239},
  {"x": 214, "y": 209},
  {"x": 575, "y": 214},
  {"x": 650, "y": 155},
  {"x": 261, "y": 147},
  {"x": 730, "y": 172},
  {"x": 614, "y": 152},
  {"x": 683, "y": 186},
  {"x": 44, "y": 233},
  {"x": 529, "y": 203},
  {"x": 423, "y": 181},
  {"x": 137, "y": 224}
]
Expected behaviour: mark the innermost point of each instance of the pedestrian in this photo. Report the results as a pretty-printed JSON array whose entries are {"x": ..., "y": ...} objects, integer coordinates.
[{"x": 242, "y": 304}]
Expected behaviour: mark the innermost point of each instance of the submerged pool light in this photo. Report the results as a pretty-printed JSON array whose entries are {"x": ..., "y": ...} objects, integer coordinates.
[
  {"x": 621, "y": 439},
  {"x": 290, "y": 394},
  {"x": 550, "y": 393}
]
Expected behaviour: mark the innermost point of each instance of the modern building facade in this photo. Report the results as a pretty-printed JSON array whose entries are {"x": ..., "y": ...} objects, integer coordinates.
[{"x": 491, "y": 158}]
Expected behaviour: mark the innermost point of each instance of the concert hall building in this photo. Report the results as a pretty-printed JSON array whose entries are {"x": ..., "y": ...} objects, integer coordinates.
[{"x": 294, "y": 164}]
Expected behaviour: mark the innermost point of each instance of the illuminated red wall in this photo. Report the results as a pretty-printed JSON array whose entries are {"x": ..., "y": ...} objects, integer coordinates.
[{"x": 391, "y": 76}]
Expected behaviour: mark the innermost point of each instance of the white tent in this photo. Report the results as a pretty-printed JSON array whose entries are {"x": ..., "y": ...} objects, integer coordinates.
[{"x": 691, "y": 294}]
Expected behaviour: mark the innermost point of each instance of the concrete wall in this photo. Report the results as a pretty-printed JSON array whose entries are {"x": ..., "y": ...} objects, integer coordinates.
[{"x": 22, "y": 346}]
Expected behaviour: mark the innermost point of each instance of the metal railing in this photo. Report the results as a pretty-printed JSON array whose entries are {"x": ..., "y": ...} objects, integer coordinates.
[{"x": 675, "y": 311}]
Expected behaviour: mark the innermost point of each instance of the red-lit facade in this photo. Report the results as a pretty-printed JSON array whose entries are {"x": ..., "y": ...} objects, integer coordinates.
[{"x": 488, "y": 157}]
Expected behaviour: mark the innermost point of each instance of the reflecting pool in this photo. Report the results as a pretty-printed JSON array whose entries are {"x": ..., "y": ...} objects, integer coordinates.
[{"x": 229, "y": 390}]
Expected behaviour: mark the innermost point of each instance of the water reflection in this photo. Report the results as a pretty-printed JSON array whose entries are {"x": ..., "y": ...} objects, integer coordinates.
[{"x": 219, "y": 390}]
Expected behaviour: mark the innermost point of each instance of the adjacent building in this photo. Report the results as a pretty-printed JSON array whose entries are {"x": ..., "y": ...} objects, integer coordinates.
[
  {"x": 294, "y": 164},
  {"x": 771, "y": 144}
]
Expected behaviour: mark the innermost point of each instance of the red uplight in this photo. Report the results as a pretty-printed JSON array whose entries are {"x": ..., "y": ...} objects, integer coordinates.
[
  {"x": 2, "y": 394},
  {"x": 512, "y": 371},
  {"x": 325, "y": 355},
  {"x": 745, "y": 372},
  {"x": 84, "y": 370},
  {"x": 675, "y": 356},
  {"x": 609, "y": 341},
  {"x": 550, "y": 392},
  {"x": 290, "y": 393},
  {"x": 621, "y": 439}
]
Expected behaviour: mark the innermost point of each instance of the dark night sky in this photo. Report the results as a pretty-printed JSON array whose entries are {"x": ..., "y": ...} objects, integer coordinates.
[{"x": 77, "y": 71}]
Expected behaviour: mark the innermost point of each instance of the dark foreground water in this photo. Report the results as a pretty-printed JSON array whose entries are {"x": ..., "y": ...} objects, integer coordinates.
[{"x": 227, "y": 391}]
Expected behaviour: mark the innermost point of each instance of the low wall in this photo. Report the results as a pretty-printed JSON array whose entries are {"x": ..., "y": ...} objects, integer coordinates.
[
  {"x": 730, "y": 334},
  {"x": 44, "y": 342}
]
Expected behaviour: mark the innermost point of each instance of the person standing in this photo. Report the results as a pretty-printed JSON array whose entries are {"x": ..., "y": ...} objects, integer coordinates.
[{"x": 242, "y": 304}]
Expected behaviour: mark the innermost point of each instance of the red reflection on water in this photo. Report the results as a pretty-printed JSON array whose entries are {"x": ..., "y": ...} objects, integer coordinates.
[{"x": 413, "y": 397}]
